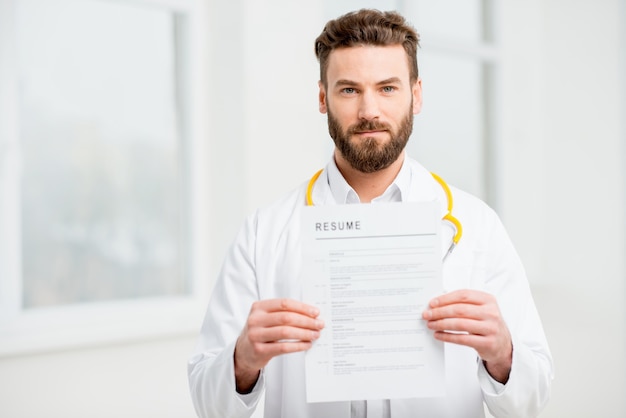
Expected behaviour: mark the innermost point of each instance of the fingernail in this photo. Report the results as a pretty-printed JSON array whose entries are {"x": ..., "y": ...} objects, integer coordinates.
[
  {"x": 427, "y": 314},
  {"x": 319, "y": 324}
]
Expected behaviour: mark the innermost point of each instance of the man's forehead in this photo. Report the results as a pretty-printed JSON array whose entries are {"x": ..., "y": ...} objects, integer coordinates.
[{"x": 367, "y": 62}]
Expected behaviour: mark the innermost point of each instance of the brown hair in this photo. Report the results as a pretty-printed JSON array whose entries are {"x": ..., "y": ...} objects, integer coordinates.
[{"x": 367, "y": 27}]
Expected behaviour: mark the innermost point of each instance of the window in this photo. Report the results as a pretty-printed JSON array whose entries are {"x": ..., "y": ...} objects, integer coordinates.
[
  {"x": 100, "y": 150},
  {"x": 99, "y": 170}
]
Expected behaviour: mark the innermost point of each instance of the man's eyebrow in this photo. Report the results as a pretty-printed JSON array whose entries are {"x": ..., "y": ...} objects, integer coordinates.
[
  {"x": 392, "y": 80},
  {"x": 351, "y": 83},
  {"x": 344, "y": 82}
]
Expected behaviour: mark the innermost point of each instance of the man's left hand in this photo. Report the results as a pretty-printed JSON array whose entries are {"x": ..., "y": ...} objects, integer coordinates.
[{"x": 472, "y": 318}]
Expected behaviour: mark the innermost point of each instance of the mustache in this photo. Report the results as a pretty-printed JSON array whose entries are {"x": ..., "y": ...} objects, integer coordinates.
[{"x": 368, "y": 125}]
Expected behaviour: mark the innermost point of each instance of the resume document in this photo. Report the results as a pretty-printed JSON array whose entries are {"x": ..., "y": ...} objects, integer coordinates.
[{"x": 371, "y": 270}]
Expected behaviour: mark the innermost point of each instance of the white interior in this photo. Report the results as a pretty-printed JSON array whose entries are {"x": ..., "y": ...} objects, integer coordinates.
[{"x": 560, "y": 193}]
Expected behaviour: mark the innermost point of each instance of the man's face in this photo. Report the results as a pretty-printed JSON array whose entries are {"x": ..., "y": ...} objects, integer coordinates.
[{"x": 370, "y": 104}]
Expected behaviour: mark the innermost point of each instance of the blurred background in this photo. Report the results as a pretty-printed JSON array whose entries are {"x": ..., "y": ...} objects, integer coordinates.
[{"x": 135, "y": 135}]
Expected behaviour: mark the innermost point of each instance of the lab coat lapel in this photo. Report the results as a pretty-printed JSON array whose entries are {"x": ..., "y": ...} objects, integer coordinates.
[
  {"x": 321, "y": 193},
  {"x": 424, "y": 188}
]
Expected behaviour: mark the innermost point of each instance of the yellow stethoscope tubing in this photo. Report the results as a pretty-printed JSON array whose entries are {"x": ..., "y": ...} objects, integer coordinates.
[
  {"x": 309, "y": 188},
  {"x": 447, "y": 217}
]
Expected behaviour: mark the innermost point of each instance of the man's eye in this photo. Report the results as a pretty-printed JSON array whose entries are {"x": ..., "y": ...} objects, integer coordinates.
[
  {"x": 349, "y": 90},
  {"x": 389, "y": 89}
]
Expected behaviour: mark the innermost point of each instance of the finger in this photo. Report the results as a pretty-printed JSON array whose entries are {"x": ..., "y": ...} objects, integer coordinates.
[
  {"x": 488, "y": 348},
  {"x": 470, "y": 340},
  {"x": 255, "y": 355},
  {"x": 283, "y": 334},
  {"x": 287, "y": 305},
  {"x": 289, "y": 334},
  {"x": 467, "y": 326},
  {"x": 468, "y": 296},
  {"x": 456, "y": 310},
  {"x": 271, "y": 350},
  {"x": 297, "y": 320}
]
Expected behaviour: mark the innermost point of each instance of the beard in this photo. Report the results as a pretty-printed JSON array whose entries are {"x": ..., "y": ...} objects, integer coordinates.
[{"x": 367, "y": 155}]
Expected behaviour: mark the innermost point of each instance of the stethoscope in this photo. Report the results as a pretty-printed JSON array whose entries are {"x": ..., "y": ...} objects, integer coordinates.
[{"x": 454, "y": 222}]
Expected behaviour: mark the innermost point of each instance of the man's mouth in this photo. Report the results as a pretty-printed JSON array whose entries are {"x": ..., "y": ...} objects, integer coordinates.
[{"x": 370, "y": 132}]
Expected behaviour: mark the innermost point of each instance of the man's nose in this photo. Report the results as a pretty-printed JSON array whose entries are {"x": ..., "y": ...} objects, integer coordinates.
[{"x": 368, "y": 106}]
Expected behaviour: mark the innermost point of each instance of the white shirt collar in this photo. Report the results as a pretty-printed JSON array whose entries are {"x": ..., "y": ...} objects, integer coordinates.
[
  {"x": 413, "y": 184},
  {"x": 343, "y": 193}
]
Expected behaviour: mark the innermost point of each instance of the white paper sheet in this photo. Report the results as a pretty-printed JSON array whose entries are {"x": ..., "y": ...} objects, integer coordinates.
[{"x": 371, "y": 270}]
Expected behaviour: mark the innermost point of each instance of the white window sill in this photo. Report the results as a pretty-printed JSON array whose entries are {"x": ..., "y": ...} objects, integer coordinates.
[{"x": 69, "y": 327}]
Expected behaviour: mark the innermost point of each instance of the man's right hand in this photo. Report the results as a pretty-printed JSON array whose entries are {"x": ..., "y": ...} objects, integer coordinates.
[{"x": 274, "y": 327}]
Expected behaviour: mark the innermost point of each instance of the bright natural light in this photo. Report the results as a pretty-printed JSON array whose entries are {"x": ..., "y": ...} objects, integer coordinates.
[{"x": 101, "y": 178}]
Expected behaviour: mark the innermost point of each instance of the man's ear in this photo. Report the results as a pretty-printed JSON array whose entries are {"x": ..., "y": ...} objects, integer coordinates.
[
  {"x": 322, "y": 98},
  {"x": 416, "y": 90}
]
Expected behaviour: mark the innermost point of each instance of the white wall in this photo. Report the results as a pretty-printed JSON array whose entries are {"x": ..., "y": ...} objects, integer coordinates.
[
  {"x": 147, "y": 379},
  {"x": 285, "y": 132},
  {"x": 564, "y": 188},
  {"x": 562, "y": 197}
]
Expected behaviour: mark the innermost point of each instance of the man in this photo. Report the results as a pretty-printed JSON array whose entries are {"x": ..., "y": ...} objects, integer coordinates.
[{"x": 256, "y": 328}]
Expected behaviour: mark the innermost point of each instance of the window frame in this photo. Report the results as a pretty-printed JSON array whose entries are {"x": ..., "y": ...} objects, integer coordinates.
[
  {"x": 487, "y": 52},
  {"x": 70, "y": 326}
]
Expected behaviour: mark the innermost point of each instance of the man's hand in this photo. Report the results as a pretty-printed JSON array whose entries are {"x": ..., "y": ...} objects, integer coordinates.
[
  {"x": 274, "y": 327},
  {"x": 473, "y": 318}
]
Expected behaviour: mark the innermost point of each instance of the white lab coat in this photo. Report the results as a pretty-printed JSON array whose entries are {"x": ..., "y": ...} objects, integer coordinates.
[{"x": 264, "y": 262}]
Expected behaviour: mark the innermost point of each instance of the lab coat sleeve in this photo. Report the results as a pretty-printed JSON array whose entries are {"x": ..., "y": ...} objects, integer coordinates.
[
  {"x": 211, "y": 369},
  {"x": 528, "y": 389}
]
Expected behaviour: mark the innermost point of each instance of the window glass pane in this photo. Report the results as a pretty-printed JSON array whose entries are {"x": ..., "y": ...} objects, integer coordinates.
[
  {"x": 448, "y": 135},
  {"x": 101, "y": 182},
  {"x": 458, "y": 20},
  {"x": 334, "y": 9}
]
